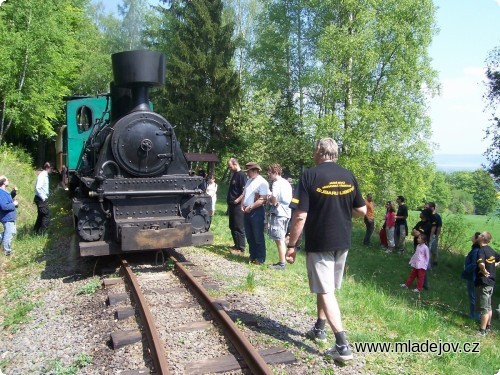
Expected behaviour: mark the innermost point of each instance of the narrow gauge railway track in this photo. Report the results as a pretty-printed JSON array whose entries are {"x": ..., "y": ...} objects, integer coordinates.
[{"x": 247, "y": 358}]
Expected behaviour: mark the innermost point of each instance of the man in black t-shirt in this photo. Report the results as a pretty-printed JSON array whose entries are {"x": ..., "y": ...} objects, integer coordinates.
[
  {"x": 487, "y": 259},
  {"x": 424, "y": 226},
  {"x": 401, "y": 226},
  {"x": 437, "y": 223},
  {"x": 236, "y": 216},
  {"x": 325, "y": 200}
]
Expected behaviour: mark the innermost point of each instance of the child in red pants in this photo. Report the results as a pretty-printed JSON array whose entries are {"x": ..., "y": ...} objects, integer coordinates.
[{"x": 419, "y": 262}]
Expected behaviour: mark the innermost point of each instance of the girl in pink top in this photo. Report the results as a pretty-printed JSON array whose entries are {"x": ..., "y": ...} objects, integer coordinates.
[
  {"x": 390, "y": 220},
  {"x": 419, "y": 262}
]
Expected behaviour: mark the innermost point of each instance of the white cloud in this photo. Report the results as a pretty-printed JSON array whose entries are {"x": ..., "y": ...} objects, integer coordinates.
[
  {"x": 498, "y": 2},
  {"x": 468, "y": 85},
  {"x": 458, "y": 117}
]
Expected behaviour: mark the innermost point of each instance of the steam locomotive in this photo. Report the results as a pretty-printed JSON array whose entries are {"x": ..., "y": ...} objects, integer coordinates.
[{"x": 129, "y": 178}]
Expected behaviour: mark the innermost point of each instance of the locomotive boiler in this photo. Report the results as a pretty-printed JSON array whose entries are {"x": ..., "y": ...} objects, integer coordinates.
[{"x": 128, "y": 176}]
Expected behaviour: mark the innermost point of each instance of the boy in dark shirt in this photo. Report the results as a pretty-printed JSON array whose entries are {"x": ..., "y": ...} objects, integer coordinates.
[{"x": 487, "y": 259}]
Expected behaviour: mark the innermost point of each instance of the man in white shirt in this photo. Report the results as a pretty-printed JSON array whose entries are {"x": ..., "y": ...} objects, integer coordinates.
[
  {"x": 42, "y": 200},
  {"x": 280, "y": 212},
  {"x": 254, "y": 197}
]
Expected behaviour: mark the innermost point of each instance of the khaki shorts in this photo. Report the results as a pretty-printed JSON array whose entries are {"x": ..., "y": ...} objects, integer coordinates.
[
  {"x": 325, "y": 270},
  {"x": 277, "y": 227},
  {"x": 483, "y": 299}
]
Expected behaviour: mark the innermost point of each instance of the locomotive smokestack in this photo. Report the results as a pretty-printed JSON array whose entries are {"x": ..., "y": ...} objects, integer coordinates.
[{"x": 138, "y": 71}]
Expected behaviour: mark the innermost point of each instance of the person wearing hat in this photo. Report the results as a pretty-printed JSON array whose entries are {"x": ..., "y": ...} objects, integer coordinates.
[
  {"x": 234, "y": 197},
  {"x": 253, "y": 199},
  {"x": 8, "y": 215}
]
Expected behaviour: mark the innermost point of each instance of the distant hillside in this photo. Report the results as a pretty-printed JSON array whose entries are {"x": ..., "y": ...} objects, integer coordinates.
[{"x": 459, "y": 162}]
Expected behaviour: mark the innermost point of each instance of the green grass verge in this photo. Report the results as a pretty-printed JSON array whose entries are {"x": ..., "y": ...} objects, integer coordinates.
[{"x": 376, "y": 309}]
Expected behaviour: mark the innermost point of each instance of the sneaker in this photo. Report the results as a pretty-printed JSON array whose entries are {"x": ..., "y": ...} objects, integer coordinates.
[
  {"x": 8, "y": 253},
  {"x": 404, "y": 286},
  {"x": 415, "y": 290},
  {"x": 481, "y": 332},
  {"x": 318, "y": 335},
  {"x": 488, "y": 328},
  {"x": 277, "y": 266},
  {"x": 340, "y": 353},
  {"x": 255, "y": 261}
]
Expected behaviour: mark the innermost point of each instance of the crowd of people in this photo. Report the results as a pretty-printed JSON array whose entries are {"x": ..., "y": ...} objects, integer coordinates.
[
  {"x": 325, "y": 200},
  {"x": 480, "y": 262},
  {"x": 321, "y": 208}
]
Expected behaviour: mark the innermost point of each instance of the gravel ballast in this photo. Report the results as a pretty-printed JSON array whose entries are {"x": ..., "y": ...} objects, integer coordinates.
[{"x": 67, "y": 327}]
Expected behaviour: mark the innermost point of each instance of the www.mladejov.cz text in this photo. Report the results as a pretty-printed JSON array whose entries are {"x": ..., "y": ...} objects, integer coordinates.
[{"x": 439, "y": 348}]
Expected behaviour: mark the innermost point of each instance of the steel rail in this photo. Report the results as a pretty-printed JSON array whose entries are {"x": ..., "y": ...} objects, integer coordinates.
[
  {"x": 155, "y": 344},
  {"x": 252, "y": 358}
]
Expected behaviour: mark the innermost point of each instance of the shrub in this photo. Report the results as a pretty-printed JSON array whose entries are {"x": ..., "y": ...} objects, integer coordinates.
[{"x": 453, "y": 232}]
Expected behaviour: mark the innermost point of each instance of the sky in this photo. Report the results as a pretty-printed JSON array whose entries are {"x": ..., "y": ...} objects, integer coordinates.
[{"x": 468, "y": 31}]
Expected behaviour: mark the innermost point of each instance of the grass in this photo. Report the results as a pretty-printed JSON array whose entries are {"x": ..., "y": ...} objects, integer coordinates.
[
  {"x": 374, "y": 307},
  {"x": 91, "y": 286},
  {"x": 31, "y": 253},
  {"x": 57, "y": 367}
]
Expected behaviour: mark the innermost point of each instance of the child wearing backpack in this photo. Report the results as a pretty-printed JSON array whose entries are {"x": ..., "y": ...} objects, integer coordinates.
[{"x": 469, "y": 274}]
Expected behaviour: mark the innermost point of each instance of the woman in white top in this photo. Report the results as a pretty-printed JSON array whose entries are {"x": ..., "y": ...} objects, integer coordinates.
[{"x": 212, "y": 191}]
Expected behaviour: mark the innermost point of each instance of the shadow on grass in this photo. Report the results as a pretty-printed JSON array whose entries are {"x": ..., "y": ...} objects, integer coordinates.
[{"x": 225, "y": 251}]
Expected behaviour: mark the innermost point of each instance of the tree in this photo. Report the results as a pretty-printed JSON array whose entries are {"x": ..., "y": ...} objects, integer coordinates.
[
  {"x": 357, "y": 71},
  {"x": 461, "y": 202},
  {"x": 440, "y": 191},
  {"x": 39, "y": 60},
  {"x": 462, "y": 180},
  {"x": 281, "y": 60},
  {"x": 478, "y": 185},
  {"x": 133, "y": 14},
  {"x": 493, "y": 99},
  {"x": 201, "y": 83},
  {"x": 484, "y": 192},
  {"x": 374, "y": 63}
]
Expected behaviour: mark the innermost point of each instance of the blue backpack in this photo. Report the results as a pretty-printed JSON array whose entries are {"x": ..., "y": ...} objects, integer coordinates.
[{"x": 470, "y": 265}]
